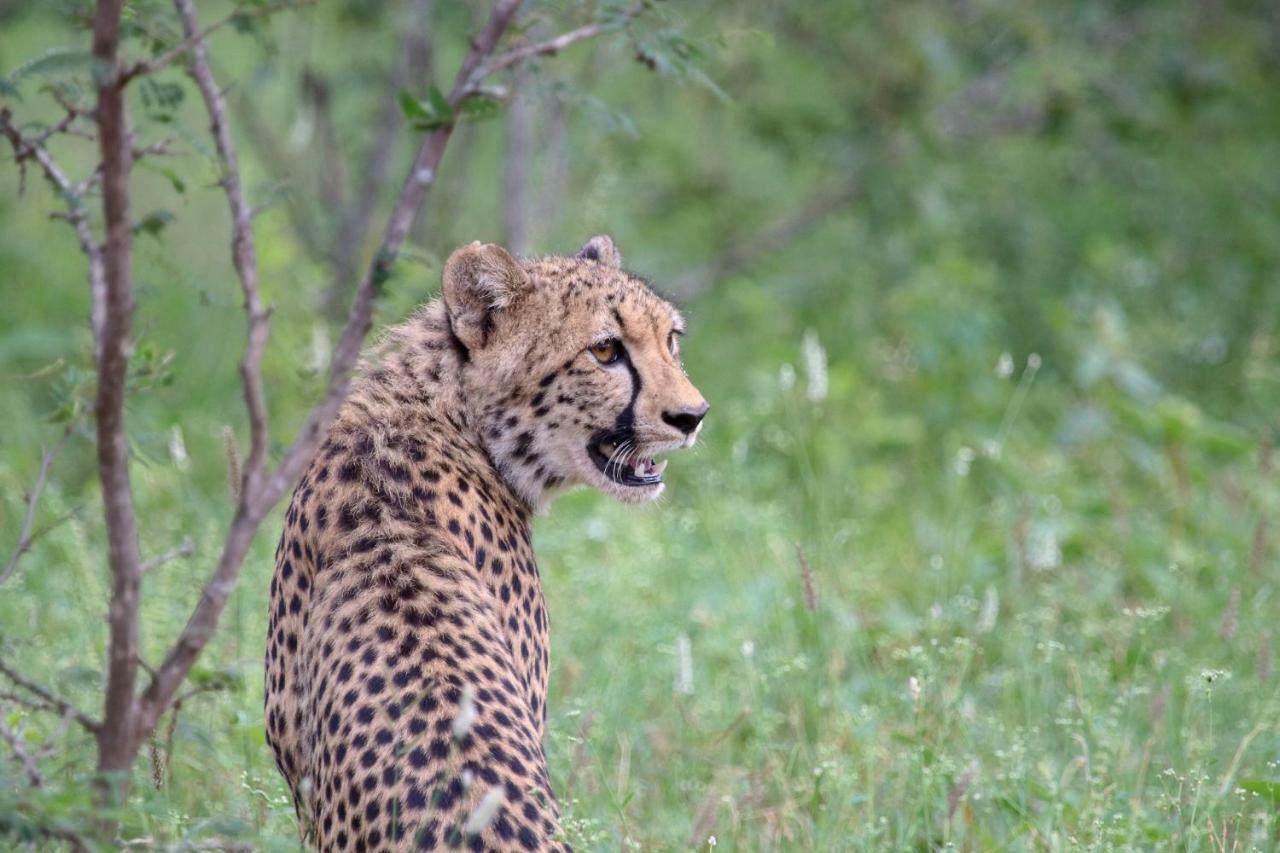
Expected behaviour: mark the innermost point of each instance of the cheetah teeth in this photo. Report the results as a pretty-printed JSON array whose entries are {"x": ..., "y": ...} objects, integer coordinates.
[{"x": 649, "y": 468}]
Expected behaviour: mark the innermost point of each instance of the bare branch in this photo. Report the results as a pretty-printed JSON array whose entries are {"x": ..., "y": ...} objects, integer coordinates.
[
  {"x": 73, "y": 196},
  {"x": 551, "y": 46},
  {"x": 163, "y": 60},
  {"x": 50, "y": 702},
  {"x": 25, "y": 537},
  {"x": 28, "y": 764},
  {"x": 253, "y": 507},
  {"x": 186, "y": 549},
  {"x": 115, "y": 749},
  {"x": 243, "y": 252}
]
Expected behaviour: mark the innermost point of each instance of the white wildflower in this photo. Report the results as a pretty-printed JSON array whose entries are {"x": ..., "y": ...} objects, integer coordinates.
[
  {"x": 787, "y": 377},
  {"x": 321, "y": 348},
  {"x": 815, "y": 366},
  {"x": 178, "y": 449},
  {"x": 964, "y": 460},
  {"x": 1044, "y": 552},
  {"x": 684, "y": 664},
  {"x": 913, "y": 689},
  {"x": 990, "y": 611},
  {"x": 1004, "y": 365}
]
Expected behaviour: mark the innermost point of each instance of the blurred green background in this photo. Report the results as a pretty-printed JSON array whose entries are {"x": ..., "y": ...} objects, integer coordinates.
[{"x": 979, "y": 548}]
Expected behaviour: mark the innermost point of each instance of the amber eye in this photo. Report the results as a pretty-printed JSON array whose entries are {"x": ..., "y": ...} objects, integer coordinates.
[{"x": 607, "y": 352}]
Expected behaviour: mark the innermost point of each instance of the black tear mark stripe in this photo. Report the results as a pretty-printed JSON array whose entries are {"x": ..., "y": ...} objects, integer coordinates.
[{"x": 627, "y": 418}]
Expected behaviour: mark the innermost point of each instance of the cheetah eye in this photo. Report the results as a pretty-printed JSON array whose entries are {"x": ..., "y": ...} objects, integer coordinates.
[
  {"x": 607, "y": 352},
  {"x": 673, "y": 343}
]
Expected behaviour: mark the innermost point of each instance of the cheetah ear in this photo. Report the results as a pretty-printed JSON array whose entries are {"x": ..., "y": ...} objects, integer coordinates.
[
  {"x": 480, "y": 281},
  {"x": 601, "y": 250}
]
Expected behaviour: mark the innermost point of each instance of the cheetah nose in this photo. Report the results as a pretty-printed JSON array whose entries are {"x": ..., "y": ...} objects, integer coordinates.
[{"x": 687, "y": 420}]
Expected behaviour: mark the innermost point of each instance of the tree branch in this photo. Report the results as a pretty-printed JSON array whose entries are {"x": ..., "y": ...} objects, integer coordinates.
[
  {"x": 253, "y": 507},
  {"x": 192, "y": 39},
  {"x": 25, "y": 537},
  {"x": 243, "y": 252},
  {"x": 50, "y": 702},
  {"x": 552, "y": 46},
  {"x": 185, "y": 549},
  {"x": 115, "y": 751},
  {"x": 73, "y": 196},
  {"x": 28, "y": 764}
]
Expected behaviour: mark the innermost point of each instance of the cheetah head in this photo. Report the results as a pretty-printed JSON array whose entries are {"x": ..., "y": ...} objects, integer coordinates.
[{"x": 571, "y": 369}]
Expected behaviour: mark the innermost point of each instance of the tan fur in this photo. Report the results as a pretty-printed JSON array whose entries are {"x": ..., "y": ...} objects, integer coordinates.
[{"x": 407, "y": 651}]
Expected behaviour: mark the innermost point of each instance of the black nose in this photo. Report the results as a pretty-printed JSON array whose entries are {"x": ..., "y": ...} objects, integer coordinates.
[{"x": 687, "y": 420}]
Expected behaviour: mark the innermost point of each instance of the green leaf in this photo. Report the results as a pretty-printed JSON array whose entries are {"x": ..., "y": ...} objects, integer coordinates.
[
  {"x": 179, "y": 185},
  {"x": 440, "y": 102},
  {"x": 431, "y": 114},
  {"x": 479, "y": 107},
  {"x": 153, "y": 223},
  {"x": 58, "y": 61}
]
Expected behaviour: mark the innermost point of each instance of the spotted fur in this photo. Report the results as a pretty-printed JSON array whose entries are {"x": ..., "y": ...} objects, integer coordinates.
[{"x": 407, "y": 653}]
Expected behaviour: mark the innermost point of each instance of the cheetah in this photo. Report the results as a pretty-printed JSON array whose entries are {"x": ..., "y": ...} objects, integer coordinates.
[{"x": 407, "y": 649}]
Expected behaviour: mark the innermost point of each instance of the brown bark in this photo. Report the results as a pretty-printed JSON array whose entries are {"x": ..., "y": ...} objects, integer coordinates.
[{"x": 116, "y": 735}]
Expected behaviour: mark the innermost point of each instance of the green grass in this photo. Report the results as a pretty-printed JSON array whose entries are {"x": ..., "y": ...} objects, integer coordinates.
[
  {"x": 1043, "y": 608},
  {"x": 1047, "y": 623}
]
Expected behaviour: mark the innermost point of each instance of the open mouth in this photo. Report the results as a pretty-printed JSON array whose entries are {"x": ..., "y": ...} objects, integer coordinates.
[{"x": 616, "y": 458}]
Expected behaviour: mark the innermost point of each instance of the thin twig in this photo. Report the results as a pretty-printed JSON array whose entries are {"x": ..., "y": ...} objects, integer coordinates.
[
  {"x": 186, "y": 549},
  {"x": 73, "y": 196},
  {"x": 551, "y": 46},
  {"x": 806, "y": 575},
  {"x": 193, "y": 39},
  {"x": 50, "y": 701},
  {"x": 25, "y": 538},
  {"x": 28, "y": 764}
]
